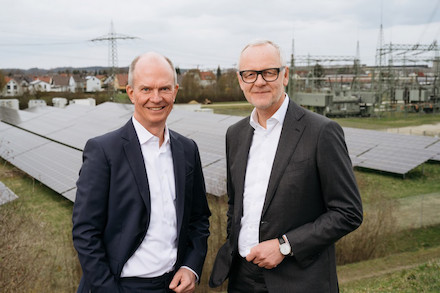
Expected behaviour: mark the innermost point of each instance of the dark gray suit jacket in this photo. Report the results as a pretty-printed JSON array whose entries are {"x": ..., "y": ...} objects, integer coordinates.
[
  {"x": 312, "y": 197},
  {"x": 112, "y": 208}
]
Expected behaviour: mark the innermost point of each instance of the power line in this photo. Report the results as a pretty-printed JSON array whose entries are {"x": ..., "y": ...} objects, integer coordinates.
[{"x": 112, "y": 38}]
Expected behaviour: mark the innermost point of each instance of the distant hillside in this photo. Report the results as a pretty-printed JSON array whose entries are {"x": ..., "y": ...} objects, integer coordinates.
[{"x": 42, "y": 71}]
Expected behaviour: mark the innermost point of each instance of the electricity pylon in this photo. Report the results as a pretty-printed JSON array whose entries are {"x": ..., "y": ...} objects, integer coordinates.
[{"x": 112, "y": 38}]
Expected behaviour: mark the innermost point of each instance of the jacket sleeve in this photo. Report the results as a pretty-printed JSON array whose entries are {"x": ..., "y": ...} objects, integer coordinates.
[
  {"x": 340, "y": 195},
  {"x": 89, "y": 219},
  {"x": 198, "y": 228}
]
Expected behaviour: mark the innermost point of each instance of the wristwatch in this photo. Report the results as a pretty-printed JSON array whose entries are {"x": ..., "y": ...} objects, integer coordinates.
[{"x": 285, "y": 248}]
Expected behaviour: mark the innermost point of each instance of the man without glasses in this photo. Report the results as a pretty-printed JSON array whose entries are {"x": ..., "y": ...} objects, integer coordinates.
[{"x": 140, "y": 218}]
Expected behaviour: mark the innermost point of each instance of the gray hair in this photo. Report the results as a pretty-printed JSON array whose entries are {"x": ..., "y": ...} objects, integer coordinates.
[
  {"x": 260, "y": 43},
  {"x": 135, "y": 61}
]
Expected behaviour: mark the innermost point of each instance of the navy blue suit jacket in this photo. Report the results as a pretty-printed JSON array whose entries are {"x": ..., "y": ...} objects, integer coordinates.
[{"x": 111, "y": 213}]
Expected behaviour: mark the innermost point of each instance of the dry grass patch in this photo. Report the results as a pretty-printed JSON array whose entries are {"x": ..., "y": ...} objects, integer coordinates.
[
  {"x": 36, "y": 251},
  {"x": 368, "y": 241}
]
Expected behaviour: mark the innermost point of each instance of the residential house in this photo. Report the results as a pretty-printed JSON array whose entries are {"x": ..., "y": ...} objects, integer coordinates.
[
  {"x": 77, "y": 84},
  {"x": 93, "y": 84},
  {"x": 121, "y": 81},
  {"x": 207, "y": 78},
  {"x": 15, "y": 86},
  {"x": 202, "y": 78},
  {"x": 63, "y": 83},
  {"x": 39, "y": 86}
]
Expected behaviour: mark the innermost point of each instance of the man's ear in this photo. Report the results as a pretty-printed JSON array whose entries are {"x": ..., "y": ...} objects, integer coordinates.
[
  {"x": 286, "y": 76},
  {"x": 129, "y": 91},
  {"x": 239, "y": 80}
]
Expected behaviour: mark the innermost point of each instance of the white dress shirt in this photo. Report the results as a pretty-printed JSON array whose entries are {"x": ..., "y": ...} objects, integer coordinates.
[
  {"x": 157, "y": 253},
  {"x": 259, "y": 166}
]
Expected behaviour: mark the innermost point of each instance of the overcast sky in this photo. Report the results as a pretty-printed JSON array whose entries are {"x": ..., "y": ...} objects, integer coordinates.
[{"x": 205, "y": 34}]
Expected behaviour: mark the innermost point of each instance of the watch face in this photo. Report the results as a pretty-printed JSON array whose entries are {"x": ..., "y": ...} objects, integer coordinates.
[{"x": 285, "y": 249}]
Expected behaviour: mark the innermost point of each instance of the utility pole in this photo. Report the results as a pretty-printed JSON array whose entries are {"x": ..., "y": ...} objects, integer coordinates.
[
  {"x": 379, "y": 64},
  {"x": 291, "y": 85},
  {"x": 112, "y": 38}
]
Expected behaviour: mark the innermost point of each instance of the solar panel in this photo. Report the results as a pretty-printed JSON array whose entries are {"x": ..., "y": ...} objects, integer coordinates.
[
  {"x": 390, "y": 152},
  {"x": 15, "y": 141},
  {"x": 6, "y": 195},
  {"x": 4, "y": 126},
  {"x": 435, "y": 148},
  {"x": 70, "y": 194},
  {"x": 48, "y": 145},
  {"x": 53, "y": 164},
  {"x": 389, "y": 158}
]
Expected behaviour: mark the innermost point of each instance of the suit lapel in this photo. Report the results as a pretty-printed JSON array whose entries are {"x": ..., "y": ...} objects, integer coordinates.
[
  {"x": 242, "y": 155},
  {"x": 179, "y": 177},
  {"x": 291, "y": 133},
  {"x": 136, "y": 161}
]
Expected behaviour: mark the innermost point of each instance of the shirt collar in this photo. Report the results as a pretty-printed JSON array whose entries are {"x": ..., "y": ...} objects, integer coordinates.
[
  {"x": 144, "y": 135},
  {"x": 278, "y": 116}
]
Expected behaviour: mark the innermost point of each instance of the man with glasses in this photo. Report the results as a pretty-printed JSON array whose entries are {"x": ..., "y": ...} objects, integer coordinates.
[{"x": 292, "y": 191}]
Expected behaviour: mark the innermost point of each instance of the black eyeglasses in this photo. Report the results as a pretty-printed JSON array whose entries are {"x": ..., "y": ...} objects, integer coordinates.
[{"x": 269, "y": 74}]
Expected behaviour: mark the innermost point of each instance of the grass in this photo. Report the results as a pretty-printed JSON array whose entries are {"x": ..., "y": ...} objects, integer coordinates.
[
  {"x": 415, "y": 240},
  {"x": 36, "y": 252},
  {"x": 410, "y": 272},
  {"x": 424, "y": 179}
]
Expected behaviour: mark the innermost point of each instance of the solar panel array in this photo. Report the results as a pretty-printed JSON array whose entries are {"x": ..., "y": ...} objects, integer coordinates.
[
  {"x": 390, "y": 152},
  {"x": 47, "y": 143},
  {"x": 53, "y": 164}
]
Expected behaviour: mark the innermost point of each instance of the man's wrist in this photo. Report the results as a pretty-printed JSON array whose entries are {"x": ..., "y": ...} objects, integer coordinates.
[
  {"x": 285, "y": 247},
  {"x": 195, "y": 274}
]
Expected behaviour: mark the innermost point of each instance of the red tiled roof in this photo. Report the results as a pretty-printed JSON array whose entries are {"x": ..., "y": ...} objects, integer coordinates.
[
  {"x": 44, "y": 78},
  {"x": 207, "y": 75},
  {"x": 122, "y": 79}
]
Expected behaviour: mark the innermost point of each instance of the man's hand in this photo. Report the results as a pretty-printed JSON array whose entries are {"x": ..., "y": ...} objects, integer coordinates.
[
  {"x": 266, "y": 254},
  {"x": 184, "y": 281}
]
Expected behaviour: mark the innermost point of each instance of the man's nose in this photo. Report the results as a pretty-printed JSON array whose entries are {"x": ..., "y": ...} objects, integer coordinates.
[
  {"x": 260, "y": 80},
  {"x": 155, "y": 96}
]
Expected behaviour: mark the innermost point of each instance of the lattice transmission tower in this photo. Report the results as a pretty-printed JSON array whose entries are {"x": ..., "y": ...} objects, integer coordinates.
[{"x": 112, "y": 38}]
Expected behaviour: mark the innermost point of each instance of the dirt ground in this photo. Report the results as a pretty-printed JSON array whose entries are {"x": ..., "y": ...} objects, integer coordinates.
[{"x": 426, "y": 129}]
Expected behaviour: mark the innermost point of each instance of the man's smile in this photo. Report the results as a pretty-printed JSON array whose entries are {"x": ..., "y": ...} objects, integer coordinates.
[{"x": 156, "y": 108}]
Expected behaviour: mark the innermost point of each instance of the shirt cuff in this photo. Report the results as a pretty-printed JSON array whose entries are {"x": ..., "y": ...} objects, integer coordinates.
[
  {"x": 287, "y": 241},
  {"x": 188, "y": 268}
]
